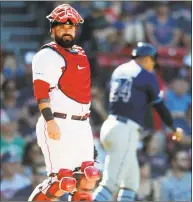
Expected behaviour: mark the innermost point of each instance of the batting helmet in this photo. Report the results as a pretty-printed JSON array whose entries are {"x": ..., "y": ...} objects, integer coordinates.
[
  {"x": 62, "y": 13},
  {"x": 144, "y": 49}
]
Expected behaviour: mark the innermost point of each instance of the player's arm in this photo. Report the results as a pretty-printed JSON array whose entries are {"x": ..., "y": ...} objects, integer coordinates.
[
  {"x": 41, "y": 84},
  {"x": 164, "y": 114},
  {"x": 52, "y": 127},
  {"x": 158, "y": 103},
  {"x": 41, "y": 93},
  {"x": 168, "y": 120}
]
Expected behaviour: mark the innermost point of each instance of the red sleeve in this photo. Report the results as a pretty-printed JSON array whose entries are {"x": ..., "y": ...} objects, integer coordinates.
[{"x": 41, "y": 89}]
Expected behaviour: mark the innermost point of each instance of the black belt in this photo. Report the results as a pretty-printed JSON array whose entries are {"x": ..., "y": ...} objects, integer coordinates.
[
  {"x": 124, "y": 120},
  {"x": 73, "y": 117}
]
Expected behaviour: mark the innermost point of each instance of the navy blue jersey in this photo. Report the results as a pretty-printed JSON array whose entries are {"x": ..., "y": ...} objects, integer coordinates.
[{"x": 132, "y": 89}]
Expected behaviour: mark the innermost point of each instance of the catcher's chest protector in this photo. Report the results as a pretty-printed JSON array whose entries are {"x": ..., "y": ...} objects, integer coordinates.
[{"x": 75, "y": 79}]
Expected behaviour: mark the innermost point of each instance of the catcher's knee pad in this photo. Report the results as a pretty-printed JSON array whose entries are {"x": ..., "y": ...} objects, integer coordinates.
[
  {"x": 58, "y": 184},
  {"x": 86, "y": 181},
  {"x": 90, "y": 171}
]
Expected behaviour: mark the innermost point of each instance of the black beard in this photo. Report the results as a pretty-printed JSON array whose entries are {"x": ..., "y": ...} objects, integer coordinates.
[{"x": 64, "y": 43}]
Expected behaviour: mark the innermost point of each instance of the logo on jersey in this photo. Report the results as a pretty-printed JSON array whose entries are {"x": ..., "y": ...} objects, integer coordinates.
[{"x": 79, "y": 67}]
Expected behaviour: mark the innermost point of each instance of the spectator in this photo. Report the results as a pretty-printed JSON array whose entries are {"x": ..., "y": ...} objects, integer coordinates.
[
  {"x": 112, "y": 42},
  {"x": 133, "y": 26},
  {"x": 25, "y": 82},
  {"x": 176, "y": 186},
  {"x": 177, "y": 98},
  {"x": 162, "y": 29},
  {"x": 155, "y": 153},
  {"x": 186, "y": 71},
  {"x": 182, "y": 12},
  {"x": 187, "y": 35},
  {"x": 16, "y": 107},
  {"x": 82, "y": 8},
  {"x": 121, "y": 21},
  {"x": 101, "y": 5},
  {"x": 9, "y": 102},
  {"x": 33, "y": 157},
  {"x": 93, "y": 22},
  {"x": 135, "y": 7},
  {"x": 106, "y": 43},
  {"x": 29, "y": 119},
  {"x": 149, "y": 189},
  {"x": 88, "y": 40},
  {"x": 11, "y": 181},
  {"x": 10, "y": 69},
  {"x": 10, "y": 139},
  {"x": 113, "y": 10},
  {"x": 20, "y": 107},
  {"x": 38, "y": 176}
]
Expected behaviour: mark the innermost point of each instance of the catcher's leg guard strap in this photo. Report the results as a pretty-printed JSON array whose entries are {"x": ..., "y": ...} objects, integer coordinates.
[
  {"x": 86, "y": 181},
  {"x": 55, "y": 187}
]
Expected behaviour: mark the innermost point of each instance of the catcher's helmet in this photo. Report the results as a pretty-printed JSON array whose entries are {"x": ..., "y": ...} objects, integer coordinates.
[
  {"x": 64, "y": 13},
  {"x": 144, "y": 49}
]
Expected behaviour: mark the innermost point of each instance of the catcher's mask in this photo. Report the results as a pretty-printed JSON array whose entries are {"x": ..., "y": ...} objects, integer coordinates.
[{"x": 62, "y": 14}]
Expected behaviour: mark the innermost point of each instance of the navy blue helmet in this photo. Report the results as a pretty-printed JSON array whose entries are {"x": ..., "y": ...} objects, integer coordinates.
[{"x": 144, "y": 49}]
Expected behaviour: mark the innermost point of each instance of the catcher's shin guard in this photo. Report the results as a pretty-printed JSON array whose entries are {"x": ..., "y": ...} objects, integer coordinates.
[
  {"x": 56, "y": 186},
  {"x": 86, "y": 181}
]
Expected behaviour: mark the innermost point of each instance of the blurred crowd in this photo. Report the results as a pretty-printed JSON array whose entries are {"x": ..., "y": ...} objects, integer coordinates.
[{"x": 110, "y": 28}]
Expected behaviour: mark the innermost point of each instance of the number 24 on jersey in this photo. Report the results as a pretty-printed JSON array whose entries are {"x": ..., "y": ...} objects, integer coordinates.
[{"x": 120, "y": 89}]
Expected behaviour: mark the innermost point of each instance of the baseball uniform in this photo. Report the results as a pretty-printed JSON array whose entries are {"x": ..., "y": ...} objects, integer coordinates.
[
  {"x": 61, "y": 80},
  {"x": 132, "y": 88},
  {"x": 68, "y": 74}
]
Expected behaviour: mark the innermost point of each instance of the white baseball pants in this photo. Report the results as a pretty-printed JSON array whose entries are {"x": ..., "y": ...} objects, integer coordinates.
[
  {"x": 121, "y": 168},
  {"x": 74, "y": 147}
]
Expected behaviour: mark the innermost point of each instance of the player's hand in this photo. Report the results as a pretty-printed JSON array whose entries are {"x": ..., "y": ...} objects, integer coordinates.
[
  {"x": 178, "y": 135},
  {"x": 53, "y": 130}
]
